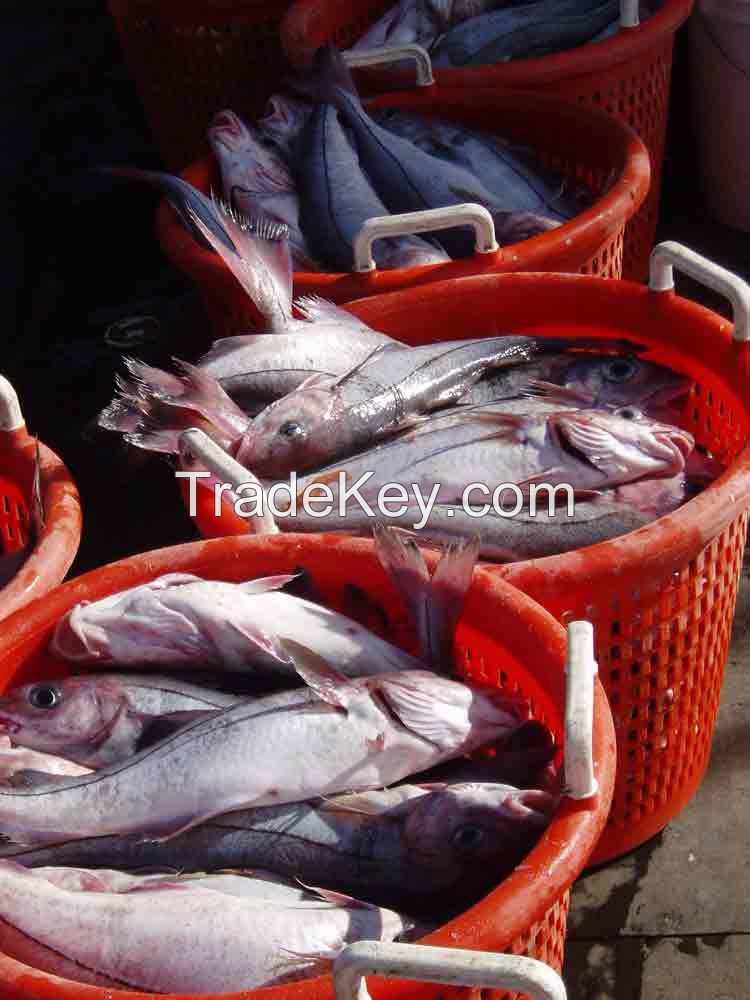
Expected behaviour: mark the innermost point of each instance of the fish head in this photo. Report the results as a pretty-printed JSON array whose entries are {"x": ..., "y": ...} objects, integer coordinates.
[
  {"x": 624, "y": 444},
  {"x": 474, "y": 824},
  {"x": 51, "y": 715},
  {"x": 297, "y": 432},
  {"x": 235, "y": 142},
  {"x": 284, "y": 116},
  {"x": 611, "y": 380}
]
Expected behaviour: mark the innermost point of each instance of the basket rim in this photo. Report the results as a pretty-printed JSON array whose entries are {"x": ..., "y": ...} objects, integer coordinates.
[
  {"x": 557, "y": 858},
  {"x": 56, "y": 548},
  {"x": 595, "y": 57},
  {"x": 591, "y": 227}
]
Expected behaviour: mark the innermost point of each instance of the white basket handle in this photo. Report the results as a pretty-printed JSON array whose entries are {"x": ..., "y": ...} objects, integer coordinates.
[
  {"x": 11, "y": 418},
  {"x": 194, "y": 444},
  {"x": 382, "y": 226},
  {"x": 629, "y": 14},
  {"x": 580, "y": 672},
  {"x": 666, "y": 256},
  {"x": 394, "y": 53},
  {"x": 448, "y": 966}
]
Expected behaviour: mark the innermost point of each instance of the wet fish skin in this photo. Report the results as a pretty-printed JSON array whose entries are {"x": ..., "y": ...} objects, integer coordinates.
[
  {"x": 284, "y": 120},
  {"x": 405, "y": 846},
  {"x": 391, "y": 725},
  {"x": 337, "y": 199},
  {"x": 256, "y": 180},
  {"x": 96, "y": 720},
  {"x": 15, "y": 759},
  {"x": 405, "y": 177},
  {"x": 173, "y": 936},
  {"x": 522, "y": 31},
  {"x": 211, "y": 623}
]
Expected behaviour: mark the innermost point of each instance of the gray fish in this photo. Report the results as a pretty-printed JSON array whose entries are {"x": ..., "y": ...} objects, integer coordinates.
[
  {"x": 335, "y": 735},
  {"x": 406, "y": 846},
  {"x": 326, "y": 419},
  {"x": 523, "y": 31},
  {"x": 284, "y": 120},
  {"x": 97, "y": 719},
  {"x": 337, "y": 199},
  {"x": 404, "y": 176}
]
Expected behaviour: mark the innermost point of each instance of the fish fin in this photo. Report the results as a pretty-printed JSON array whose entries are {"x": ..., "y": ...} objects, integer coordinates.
[
  {"x": 359, "y": 366},
  {"x": 539, "y": 389},
  {"x": 313, "y": 963},
  {"x": 338, "y": 898},
  {"x": 37, "y": 503},
  {"x": 160, "y": 727},
  {"x": 261, "y": 640},
  {"x": 188, "y": 202},
  {"x": 414, "y": 708},
  {"x": 266, "y": 583},
  {"x": 328, "y": 75},
  {"x": 313, "y": 309},
  {"x": 436, "y": 603},
  {"x": 261, "y": 262},
  {"x": 328, "y": 683}
]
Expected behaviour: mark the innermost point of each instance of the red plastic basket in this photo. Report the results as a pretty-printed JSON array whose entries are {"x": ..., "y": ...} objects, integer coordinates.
[
  {"x": 581, "y": 142},
  {"x": 503, "y": 639},
  {"x": 54, "y": 552},
  {"x": 190, "y": 58},
  {"x": 662, "y": 598},
  {"x": 629, "y": 75}
]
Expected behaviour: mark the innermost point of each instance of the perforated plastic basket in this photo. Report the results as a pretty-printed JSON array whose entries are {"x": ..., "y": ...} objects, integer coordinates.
[
  {"x": 628, "y": 74},
  {"x": 662, "y": 598},
  {"x": 504, "y": 639},
  {"x": 583, "y": 143},
  {"x": 56, "y": 548},
  {"x": 190, "y": 58}
]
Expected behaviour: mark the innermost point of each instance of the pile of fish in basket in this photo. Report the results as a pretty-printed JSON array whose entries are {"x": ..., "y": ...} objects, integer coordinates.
[{"x": 373, "y": 808}]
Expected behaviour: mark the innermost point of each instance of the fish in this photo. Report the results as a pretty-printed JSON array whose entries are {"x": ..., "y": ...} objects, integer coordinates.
[
  {"x": 407, "y": 22},
  {"x": 512, "y": 174},
  {"x": 339, "y": 734},
  {"x": 176, "y": 936},
  {"x": 256, "y": 180},
  {"x": 337, "y": 199},
  {"x": 585, "y": 449},
  {"x": 181, "y": 621},
  {"x": 405, "y": 177},
  {"x": 522, "y": 31},
  {"x": 418, "y": 847},
  {"x": 11, "y": 563},
  {"x": 95, "y": 720},
  {"x": 324, "y": 419},
  {"x": 283, "y": 122}
]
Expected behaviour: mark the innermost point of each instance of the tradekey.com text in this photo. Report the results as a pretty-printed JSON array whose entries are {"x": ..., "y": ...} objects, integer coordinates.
[{"x": 283, "y": 499}]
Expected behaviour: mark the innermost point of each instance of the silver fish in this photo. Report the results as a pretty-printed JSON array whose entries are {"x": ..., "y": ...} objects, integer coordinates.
[
  {"x": 176, "y": 936},
  {"x": 406, "y": 846},
  {"x": 95, "y": 720},
  {"x": 334, "y": 735}
]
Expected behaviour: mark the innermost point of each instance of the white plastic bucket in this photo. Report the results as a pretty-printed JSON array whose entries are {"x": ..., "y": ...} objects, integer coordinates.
[{"x": 720, "y": 70}]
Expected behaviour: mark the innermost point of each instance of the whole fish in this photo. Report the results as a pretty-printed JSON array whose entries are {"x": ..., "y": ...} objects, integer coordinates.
[
  {"x": 523, "y": 31},
  {"x": 337, "y": 199},
  {"x": 335, "y": 734},
  {"x": 407, "y": 846},
  {"x": 511, "y": 174},
  {"x": 586, "y": 449},
  {"x": 96, "y": 720},
  {"x": 256, "y": 181},
  {"x": 180, "y": 621},
  {"x": 328, "y": 418},
  {"x": 404, "y": 176},
  {"x": 174, "y": 936},
  {"x": 284, "y": 120}
]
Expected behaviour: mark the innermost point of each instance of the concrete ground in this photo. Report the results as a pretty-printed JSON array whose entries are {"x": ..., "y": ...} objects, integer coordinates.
[{"x": 671, "y": 921}]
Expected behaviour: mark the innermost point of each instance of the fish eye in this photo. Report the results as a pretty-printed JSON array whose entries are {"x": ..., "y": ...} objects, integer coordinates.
[
  {"x": 620, "y": 370},
  {"x": 628, "y": 413},
  {"x": 45, "y": 696},
  {"x": 468, "y": 837},
  {"x": 292, "y": 429}
]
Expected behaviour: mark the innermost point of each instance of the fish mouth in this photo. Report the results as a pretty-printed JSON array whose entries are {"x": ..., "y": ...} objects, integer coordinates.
[
  {"x": 532, "y": 806},
  {"x": 226, "y": 127}
]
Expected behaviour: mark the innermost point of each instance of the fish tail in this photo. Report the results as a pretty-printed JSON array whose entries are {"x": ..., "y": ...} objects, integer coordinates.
[
  {"x": 327, "y": 78},
  {"x": 435, "y": 603}
]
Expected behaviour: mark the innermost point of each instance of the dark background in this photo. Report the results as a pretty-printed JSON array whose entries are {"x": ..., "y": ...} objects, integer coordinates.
[{"x": 80, "y": 253}]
